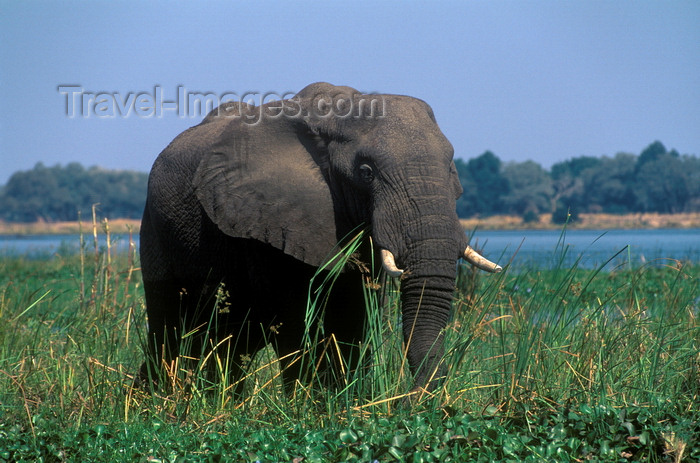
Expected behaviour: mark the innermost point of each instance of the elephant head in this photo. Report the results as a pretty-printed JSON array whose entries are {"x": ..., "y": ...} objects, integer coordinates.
[{"x": 300, "y": 174}]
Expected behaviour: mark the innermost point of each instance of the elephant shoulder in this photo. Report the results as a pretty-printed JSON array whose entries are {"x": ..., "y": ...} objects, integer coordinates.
[{"x": 184, "y": 153}]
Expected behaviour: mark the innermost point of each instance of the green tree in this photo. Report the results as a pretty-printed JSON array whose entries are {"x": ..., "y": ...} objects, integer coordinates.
[
  {"x": 691, "y": 166},
  {"x": 484, "y": 185},
  {"x": 58, "y": 193},
  {"x": 651, "y": 153},
  {"x": 530, "y": 189},
  {"x": 467, "y": 202},
  {"x": 662, "y": 185},
  {"x": 608, "y": 186},
  {"x": 568, "y": 189}
]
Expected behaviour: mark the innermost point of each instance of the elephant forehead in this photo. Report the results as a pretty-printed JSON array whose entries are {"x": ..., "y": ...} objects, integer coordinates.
[
  {"x": 422, "y": 141},
  {"x": 408, "y": 110},
  {"x": 408, "y": 117}
]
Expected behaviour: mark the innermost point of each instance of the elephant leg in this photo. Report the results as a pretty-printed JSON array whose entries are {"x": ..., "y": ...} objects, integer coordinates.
[
  {"x": 228, "y": 358},
  {"x": 182, "y": 322},
  {"x": 163, "y": 302},
  {"x": 287, "y": 338},
  {"x": 345, "y": 321},
  {"x": 335, "y": 349}
]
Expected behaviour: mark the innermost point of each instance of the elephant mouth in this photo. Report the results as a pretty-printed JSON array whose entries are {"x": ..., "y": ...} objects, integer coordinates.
[{"x": 470, "y": 255}]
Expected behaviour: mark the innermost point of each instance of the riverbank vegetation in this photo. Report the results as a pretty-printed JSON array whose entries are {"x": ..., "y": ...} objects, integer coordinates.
[
  {"x": 60, "y": 194},
  {"x": 556, "y": 364},
  {"x": 67, "y": 228},
  {"x": 657, "y": 181},
  {"x": 585, "y": 221}
]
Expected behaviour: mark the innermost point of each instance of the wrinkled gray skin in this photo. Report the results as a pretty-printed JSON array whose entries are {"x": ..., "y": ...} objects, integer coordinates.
[{"x": 257, "y": 197}]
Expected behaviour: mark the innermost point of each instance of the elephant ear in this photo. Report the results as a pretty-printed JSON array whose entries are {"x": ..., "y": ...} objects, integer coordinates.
[{"x": 263, "y": 181}]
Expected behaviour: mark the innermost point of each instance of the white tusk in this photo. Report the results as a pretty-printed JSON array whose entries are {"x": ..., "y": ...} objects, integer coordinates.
[
  {"x": 480, "y": 261},
  {"x": 389, "y": 264}
]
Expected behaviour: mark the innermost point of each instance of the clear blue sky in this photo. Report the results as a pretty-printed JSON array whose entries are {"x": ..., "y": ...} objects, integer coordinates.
[{"x": 540, "y": 80}]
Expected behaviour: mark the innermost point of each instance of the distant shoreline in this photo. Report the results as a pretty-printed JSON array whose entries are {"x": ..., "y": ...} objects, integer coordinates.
[
  {"x": 647, "y": 220},
  {"x": 69, "y": 228},
  {"x": 497, "y": 222}
]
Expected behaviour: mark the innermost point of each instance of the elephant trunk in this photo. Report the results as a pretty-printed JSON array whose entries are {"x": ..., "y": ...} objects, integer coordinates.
[
  {"x": 427, "y": 290},
  {"x": 419, "y": 229},
  {"x": 426, "y": 301}
]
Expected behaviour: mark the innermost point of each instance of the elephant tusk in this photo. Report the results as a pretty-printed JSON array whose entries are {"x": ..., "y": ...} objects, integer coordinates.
[
  {"x": 389, "y": 264},
  {"x": 480, "y": 261}
]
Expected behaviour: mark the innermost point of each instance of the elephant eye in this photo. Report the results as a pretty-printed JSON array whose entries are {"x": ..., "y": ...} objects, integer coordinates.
[{"x": 366, "y": 173}]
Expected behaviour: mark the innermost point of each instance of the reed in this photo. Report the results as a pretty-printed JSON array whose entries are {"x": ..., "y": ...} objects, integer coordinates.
[{"x": 557, "y": 364}]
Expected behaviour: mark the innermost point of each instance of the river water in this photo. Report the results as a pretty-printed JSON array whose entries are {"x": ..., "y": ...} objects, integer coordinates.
[
  {"x": 42, "y": 246},
  {"x": 588, "y": 248},
  {"x": 521, "y": 248}
]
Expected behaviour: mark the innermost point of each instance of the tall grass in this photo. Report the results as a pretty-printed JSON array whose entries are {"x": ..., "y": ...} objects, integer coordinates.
[
  {"x": 550, "y": 338},
  {"x": 614, "y": 348},
  {"x": 68, "y": 329}
]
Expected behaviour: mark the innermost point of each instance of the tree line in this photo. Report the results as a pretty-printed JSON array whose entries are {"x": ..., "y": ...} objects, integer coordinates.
[
  {"x": 656, "y": 180},
  {"x": 58, "y": 193}
]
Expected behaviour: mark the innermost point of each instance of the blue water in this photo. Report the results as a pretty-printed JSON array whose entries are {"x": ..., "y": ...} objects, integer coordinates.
[
  {"x": 521, "y": 248},
  {"x": 41, "y": 246},
  {"x": 588, "y": 248}
]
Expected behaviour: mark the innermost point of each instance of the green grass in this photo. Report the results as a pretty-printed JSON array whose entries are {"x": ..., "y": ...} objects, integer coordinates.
[{"x": 545, "y": 365}]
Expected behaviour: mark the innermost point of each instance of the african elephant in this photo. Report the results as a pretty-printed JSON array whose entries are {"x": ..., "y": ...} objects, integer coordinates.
[{"x": 257, "y": 197}]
